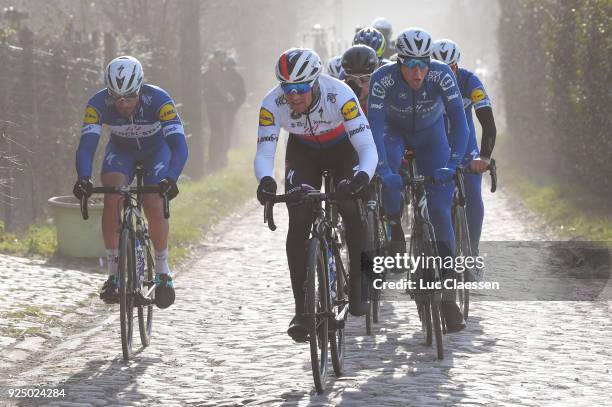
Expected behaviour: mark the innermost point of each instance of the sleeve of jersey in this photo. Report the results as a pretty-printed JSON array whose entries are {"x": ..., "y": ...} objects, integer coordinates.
[
  {"x": 358, "y": 129},
  {"x": 174, "y": 133},
  {"x": 90, "y": 135},
  {"x": 458, "y": 136},
  {"x": 478, "y": 95},
  {"x": 267, "y": 139},
  {"x": 376, "y": 117}
]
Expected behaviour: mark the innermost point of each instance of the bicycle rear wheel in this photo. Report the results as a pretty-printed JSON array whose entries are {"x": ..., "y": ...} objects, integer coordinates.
[
  {"x": 436, "y": 322},
  {"x": 463, "y": 249},
  {"x": 147, "y": 287},
  {"x": 340, "y": 304},
  {"x": 374, "y": 246},
  {"x": 425, "y": 314},
  {"x": 127, "y": 271},
  {"x": 317, "y": 307}
]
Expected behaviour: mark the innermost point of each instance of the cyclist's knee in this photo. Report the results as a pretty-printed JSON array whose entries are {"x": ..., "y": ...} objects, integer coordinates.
[
  {"x": 111, "y": 203},
  {"x": 153, "y": 206}
]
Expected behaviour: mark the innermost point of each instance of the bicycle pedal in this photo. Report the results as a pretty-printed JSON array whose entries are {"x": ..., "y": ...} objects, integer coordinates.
[{"x": 142, "y": 301}]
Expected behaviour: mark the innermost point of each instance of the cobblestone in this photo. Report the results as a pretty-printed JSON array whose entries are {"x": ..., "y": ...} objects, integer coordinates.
[{"x": 223, "y": 342}]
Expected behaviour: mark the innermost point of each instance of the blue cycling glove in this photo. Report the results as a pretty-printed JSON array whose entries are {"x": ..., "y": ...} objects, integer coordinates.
[{"x": 443, "y": 175}]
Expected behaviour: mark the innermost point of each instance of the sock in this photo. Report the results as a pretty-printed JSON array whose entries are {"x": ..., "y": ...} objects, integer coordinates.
[
  {"x": 161, "y": 262},
  {"x": 112, "y": 260}
]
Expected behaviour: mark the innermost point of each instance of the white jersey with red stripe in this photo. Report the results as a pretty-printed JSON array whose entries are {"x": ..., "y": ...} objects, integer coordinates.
[{"x": 334, "y": 115}]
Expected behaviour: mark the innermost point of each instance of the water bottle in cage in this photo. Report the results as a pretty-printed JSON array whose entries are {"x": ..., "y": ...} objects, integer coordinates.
[
  {"x": 140, "y": 261},
  {"x": 332, "y": 273}
]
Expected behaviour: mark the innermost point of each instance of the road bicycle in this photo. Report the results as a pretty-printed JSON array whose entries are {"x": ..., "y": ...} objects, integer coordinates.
[
  {"x": 136, "y": 263},
  {"x": 327, "y": 280}
]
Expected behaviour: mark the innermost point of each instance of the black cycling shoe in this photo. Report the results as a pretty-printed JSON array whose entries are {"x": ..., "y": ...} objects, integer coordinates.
[
  {"x": 453, "y": 317},
  {"x": 298, "y": 328},
  {"x": 164, "y": 290},
  {"x": 110, "y": 290}
]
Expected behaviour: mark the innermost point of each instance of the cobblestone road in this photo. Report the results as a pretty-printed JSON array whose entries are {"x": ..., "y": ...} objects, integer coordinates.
[{"x": 224, "y": 344}]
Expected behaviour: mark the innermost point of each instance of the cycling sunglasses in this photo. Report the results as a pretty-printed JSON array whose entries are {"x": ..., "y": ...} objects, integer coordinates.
[
  {"x": 117, "y": 97},
  {"x": 362, "y": 79},
  {"x": 411, "y": 63},
  {"x": 296, "y": 88}
]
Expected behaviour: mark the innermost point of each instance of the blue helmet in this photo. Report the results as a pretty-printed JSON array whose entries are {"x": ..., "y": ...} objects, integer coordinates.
[{"x": 372, "y": 38}]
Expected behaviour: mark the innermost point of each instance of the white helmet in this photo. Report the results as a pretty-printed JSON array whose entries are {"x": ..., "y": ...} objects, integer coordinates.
[
  {"x": 334, "y": 66},
  {"x": 446, "y": 51},
  {"x": 413, "y": 42},
  {"x": 298, "y": 65},
  {"x": 123, "y": 76},
  {"x": 383, "y": 25}
]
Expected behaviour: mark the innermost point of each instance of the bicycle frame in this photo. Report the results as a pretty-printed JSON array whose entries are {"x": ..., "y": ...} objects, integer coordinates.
[{"x": 416, "y": 187}]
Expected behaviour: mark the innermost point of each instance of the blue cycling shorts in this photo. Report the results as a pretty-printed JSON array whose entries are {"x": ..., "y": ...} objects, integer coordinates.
[{"x": 155, "y": 162}]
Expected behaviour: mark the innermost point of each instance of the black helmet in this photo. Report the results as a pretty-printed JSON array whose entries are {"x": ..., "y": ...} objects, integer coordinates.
[{"x": 359, "y": 60}]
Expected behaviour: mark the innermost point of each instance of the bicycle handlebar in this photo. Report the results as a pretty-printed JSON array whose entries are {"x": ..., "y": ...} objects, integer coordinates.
[
  {"x": 148, "y": 189},
  {"x": 300, "y": 196}
]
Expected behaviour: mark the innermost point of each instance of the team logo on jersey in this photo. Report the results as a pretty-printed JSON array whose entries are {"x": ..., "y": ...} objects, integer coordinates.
[
  {"x": 281, "y": 100},
  {"x": 477, "y": 95},
  {"x": 350, "y": 110},
  {"x": 266, "y": 118},
  {"x": 447, "y": 82},
  {"x": 91, "y": 116},
  {"x": 387, "y": 81},
  {"x": 167, "y": 112},
  {"x": 378, "y": 90}
]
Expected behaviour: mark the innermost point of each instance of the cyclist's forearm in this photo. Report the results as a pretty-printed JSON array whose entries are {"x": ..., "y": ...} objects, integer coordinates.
[
  {"x": 266, "y": 150},
  {"x": 366, "y": 150},
  {"x": 180, "y": 152},
  {"x": 489, "y": 131},
  {"x": 458, "y": 136},
  {"x": 85, "y": 154}
]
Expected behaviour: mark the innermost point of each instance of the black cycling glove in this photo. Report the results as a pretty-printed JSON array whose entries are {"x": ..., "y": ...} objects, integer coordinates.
[
  {"x": 82, "y": 188},
  {"x": 266, "y": 188},
  {"x": 167, "y": 186}
]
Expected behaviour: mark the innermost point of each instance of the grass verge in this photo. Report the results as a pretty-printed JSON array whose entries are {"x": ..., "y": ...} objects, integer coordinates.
[
  {"x": 202, "y": 204},
  {"x": 571, "y": 209}
]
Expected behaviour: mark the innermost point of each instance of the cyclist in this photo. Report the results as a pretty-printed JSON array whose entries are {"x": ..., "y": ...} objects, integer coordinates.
[
  {"x": 327, "y": 130},
  {"x": 374, "y": 39},
  {"x": 474, "y": 95},
  {"x": 334, "y": 67},
  {"x": 358, "y": 63},
  {"x": 144, "y": 127},
  {"x": 406, "y": 107},
  {"x": 384, "y": 27}
]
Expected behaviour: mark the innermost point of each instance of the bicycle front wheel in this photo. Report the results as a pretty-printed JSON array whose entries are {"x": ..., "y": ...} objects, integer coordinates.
[
  {"x": 147, "y": 288},
  {"x": 430, "y": 313},
  {"x": 317, "y": 307},
  {"x": 127, "y": 271}
]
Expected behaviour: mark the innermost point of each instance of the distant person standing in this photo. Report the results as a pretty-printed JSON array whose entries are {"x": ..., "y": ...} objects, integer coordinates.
[
  {"x": 384, "y": 26},
  {"x": 217, "y": 99},
  {"x": 235, "y": 85}
]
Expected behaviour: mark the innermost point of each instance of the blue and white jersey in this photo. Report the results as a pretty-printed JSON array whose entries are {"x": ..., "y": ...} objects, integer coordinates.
[
  {"x": 154, "y": 122},
  {"x": 474, "y": 95},
  {"x": 416, "y": 114}
]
